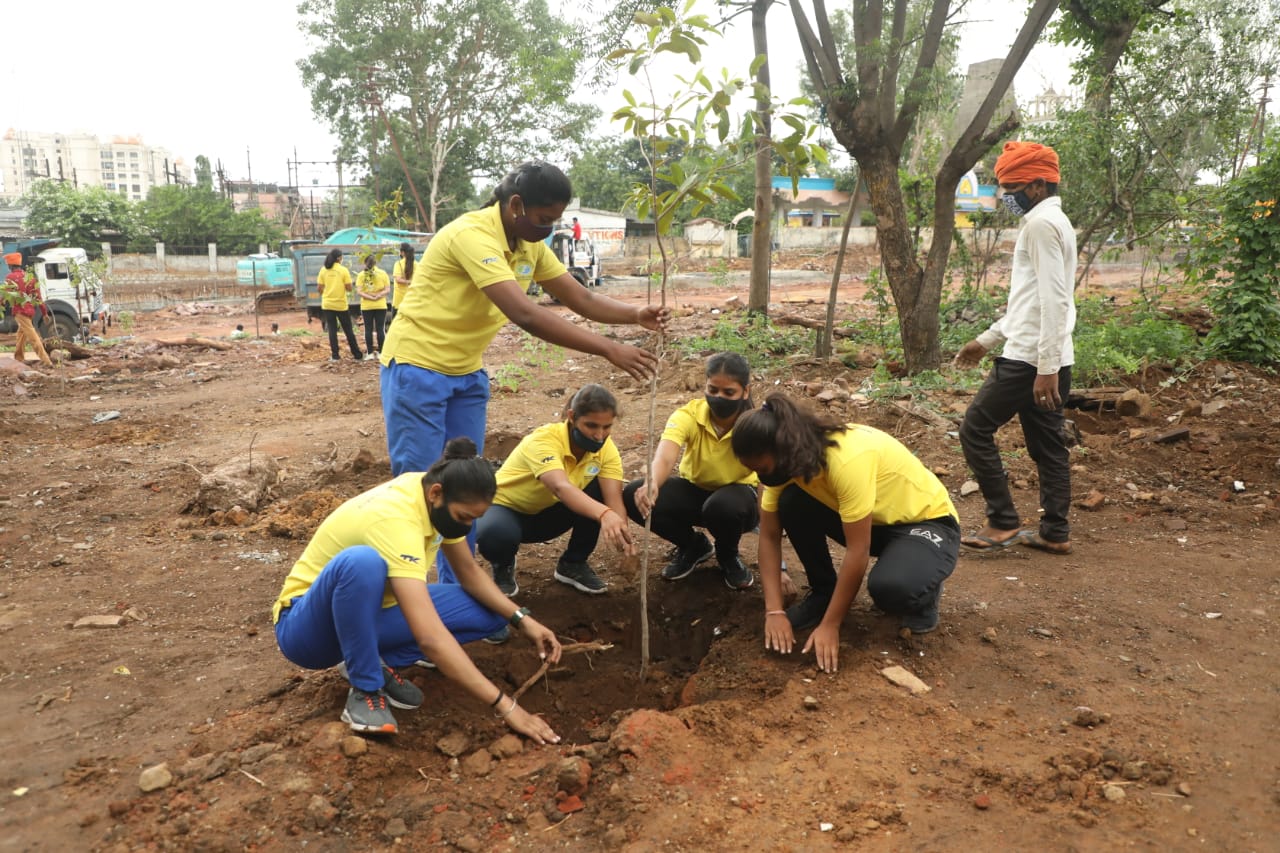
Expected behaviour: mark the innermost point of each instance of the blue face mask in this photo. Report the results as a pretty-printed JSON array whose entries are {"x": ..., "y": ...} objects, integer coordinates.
[{"x": 1017, "y": 203}]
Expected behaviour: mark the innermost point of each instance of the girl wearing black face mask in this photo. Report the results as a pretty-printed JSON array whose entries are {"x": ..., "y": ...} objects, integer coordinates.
[
  {"x": 861, "y": 487},
  {"x": 712, "y": 489},
  {"x": 377, "y": 549},
  {"x": 562, "y": 476}
]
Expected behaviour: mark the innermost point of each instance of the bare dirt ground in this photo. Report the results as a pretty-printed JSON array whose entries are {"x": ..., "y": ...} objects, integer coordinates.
[{"x": 1124, "y": 696}]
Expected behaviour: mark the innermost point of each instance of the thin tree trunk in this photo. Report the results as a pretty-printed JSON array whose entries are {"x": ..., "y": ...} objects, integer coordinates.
[
  {"x": 823, "y": 349},
  {"x": 762, "y": 225}
]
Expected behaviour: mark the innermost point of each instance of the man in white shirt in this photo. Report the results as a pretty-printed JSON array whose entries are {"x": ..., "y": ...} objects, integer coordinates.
[{"x": 1032, "y": 375}]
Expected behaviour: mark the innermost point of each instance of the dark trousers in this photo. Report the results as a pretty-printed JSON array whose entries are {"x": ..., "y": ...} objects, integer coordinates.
[
  {"x": 331, "y": 319},
  {"x": 726, "y": 513},
  {"x": 375, "y": 322},
  {"x": 1006, "y": 392},
  {"x": 912, "y": 560},
  {"x": 501, "y": 530}
]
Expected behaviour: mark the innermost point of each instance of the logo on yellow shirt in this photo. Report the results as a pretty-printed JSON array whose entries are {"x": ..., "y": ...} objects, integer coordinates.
[
  {"x": 524, "y": 269},
  {"x": 492, "y": 260},
  {"x": 593, "y": 469},
  {"x": 410, "y": 558}
]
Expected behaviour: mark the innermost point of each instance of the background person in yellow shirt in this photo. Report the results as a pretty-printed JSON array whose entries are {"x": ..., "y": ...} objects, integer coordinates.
[
  {"x": 402, "y": 275},
  {"x": 358, "y": 595},
  {"x": 862, "y": 488},
  {"x": 564, "y": 475},
  {"x": 713, "y": 489},
  {"x": 334, "y": 281},
  {"x": 373, "y": 285}
]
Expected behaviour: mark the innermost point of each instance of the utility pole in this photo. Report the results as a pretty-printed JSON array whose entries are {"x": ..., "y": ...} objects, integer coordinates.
[
  {"x": 253, "y": 190},
  {"x": 342, "y": 205}
]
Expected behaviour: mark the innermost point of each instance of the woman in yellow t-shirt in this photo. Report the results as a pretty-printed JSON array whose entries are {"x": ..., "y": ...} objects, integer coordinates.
[
  {"x": 334, "y": 282},
  {"x": 402, "y": 276},
  {"x": 562, "y": 476},
  {"x": 861, "y": 487},
  {"x": 358, "y": 597},
  {"x": 373, "y": 285},
  {"x": 712, "y": 489}
]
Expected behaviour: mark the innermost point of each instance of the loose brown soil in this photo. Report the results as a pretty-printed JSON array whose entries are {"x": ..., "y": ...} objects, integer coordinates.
[{"x": 1161, "y": 626}]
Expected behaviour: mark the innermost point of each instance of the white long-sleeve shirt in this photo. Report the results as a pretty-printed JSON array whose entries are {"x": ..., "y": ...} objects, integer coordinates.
[{"x": 1037, "y": 325}]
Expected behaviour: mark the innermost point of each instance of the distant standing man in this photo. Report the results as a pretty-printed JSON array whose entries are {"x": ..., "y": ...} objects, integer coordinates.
[
  {"x": 1032, "y": 376},
  {"x": 577, "y": 229},
  {"x": 22, "y": 295}
]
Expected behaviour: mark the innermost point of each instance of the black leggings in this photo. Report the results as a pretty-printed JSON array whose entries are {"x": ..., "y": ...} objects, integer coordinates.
[
  {"x": 912, "y": 560},
  {"x": 375, "y": 321},
  {"x": 331, "y": 321},
  {"x": 726, "y": 513},
  {"x": 501, "y": 530}
]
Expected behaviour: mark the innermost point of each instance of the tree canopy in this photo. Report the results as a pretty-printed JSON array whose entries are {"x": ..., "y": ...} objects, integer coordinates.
[{"x": 466, "y": 86}]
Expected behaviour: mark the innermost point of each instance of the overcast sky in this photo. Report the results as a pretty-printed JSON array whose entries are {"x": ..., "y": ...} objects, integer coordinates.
[{"x": 222, "y": 79}]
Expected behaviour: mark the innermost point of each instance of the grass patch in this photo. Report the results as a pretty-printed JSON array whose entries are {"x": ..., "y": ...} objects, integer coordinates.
[{"x": 753, "y": 336}]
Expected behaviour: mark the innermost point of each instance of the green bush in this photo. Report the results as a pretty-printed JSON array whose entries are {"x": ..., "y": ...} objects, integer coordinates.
[
  {"x": 1237, "y": 261},
  {"x": 1111, "y": 342}
]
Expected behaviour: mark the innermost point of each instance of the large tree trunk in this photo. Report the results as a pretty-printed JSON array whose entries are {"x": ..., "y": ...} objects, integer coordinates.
[
  {"x": 762, "y": 224},
  {"x": 917, "y": 308}
]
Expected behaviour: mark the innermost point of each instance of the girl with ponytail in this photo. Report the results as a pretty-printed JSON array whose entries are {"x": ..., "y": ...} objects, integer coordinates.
[{"x": 861, "y": 487}]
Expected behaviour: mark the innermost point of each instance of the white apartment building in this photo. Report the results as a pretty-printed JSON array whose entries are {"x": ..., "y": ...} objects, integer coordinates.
[{"x": 123, "y": 164}]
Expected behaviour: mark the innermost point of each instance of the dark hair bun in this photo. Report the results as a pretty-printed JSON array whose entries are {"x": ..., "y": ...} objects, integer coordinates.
[{"x": 460, "y": 448}]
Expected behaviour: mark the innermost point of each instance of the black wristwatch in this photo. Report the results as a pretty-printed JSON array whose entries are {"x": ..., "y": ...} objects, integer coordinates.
[{"x": 518, "y": 617}]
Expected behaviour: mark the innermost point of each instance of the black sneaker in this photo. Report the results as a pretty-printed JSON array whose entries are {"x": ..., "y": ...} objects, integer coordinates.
[
  {"x": 736, "y": 574},
  {"x": 686, "y": 558},
  {"x": 400, "y": 693},
  {"x": 580, "y": 577},
  {"x": 368, "y": 712},
  {"x": 808, "y": 611},
  {"x": 504, "y": 575}
]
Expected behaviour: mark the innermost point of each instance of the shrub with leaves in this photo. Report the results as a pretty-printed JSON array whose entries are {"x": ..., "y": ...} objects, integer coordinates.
[{"x": 1237, "y": 260}]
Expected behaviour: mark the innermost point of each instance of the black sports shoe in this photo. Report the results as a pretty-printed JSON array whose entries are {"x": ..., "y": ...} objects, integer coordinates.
[
  {"x": 736, "y": 574},
  {"x": 580, "y": 576},
  {"x": 686, "y": 558},
  {"x": 808, "y": 611},
  {"x": 504, "y": 575}
]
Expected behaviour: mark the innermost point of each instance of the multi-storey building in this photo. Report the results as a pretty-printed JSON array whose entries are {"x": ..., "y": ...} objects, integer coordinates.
[{"x": 123, "y": 164}]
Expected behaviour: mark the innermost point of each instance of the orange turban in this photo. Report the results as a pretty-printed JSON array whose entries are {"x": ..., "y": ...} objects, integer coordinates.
[
  {"x": 13, "y": 259},
  {"x": 1022, "y": 162}
]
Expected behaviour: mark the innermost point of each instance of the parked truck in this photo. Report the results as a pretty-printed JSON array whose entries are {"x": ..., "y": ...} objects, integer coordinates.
[
  {"x": 302, "y": 260},
  {"x": 71, "y": 290}
]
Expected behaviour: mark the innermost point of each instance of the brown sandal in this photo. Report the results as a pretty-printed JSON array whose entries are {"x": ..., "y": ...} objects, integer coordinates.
[{"x": 1034, "y": 540}]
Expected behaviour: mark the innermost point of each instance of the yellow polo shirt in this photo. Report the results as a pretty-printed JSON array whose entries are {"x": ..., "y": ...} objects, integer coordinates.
[
  {"x": 445, "y": 321},
  {"x": 708, "y": 461},
  {"x": 391, "y": 518},
  {"x": 398, "y": 289},
  {"x": 371, "y": 281},
  {"x": 335, "y": 280},
  {"x": 870, "y": 472},
  {"x": 545, "y": 449}
]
